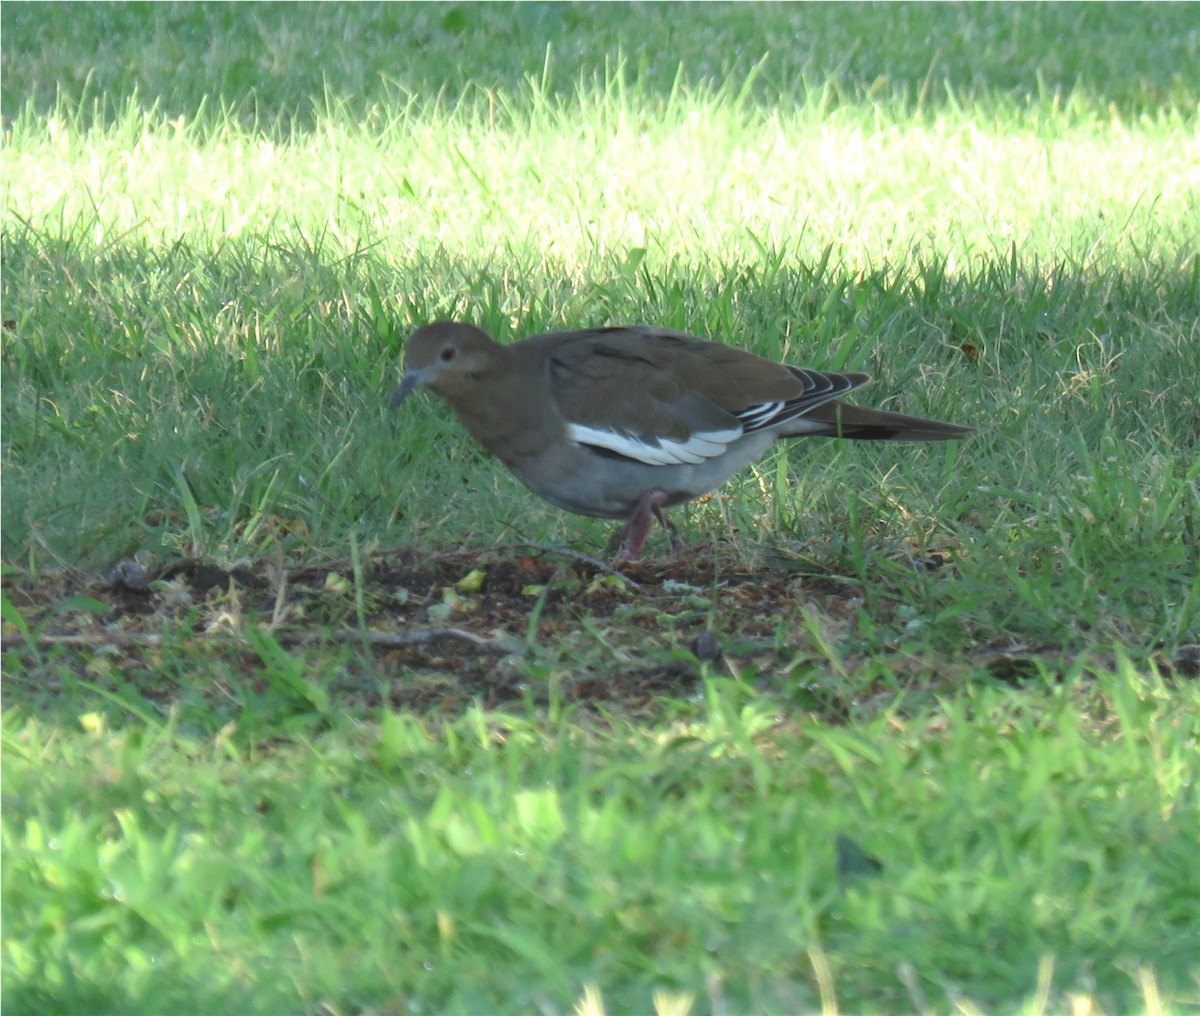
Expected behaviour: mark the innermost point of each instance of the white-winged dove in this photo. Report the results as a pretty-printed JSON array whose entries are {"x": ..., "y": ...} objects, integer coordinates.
[{"x": 623, "y": 422}]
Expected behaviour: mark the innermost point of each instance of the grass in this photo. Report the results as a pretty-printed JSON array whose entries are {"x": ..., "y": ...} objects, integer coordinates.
[
  {"x": 372, "y": 869},
  {"x": 221, "y": 222}
]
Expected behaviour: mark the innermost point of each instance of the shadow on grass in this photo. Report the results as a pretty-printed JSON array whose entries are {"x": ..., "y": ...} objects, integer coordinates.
[
  {"x": 280, "y": 66},
  {"x": 239, "y": 431},
  {"x": 139, "y": 350}
]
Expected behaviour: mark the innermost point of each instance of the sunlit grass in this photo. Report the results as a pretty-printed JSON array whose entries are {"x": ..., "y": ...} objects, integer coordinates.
[
  {"x": 382, "y": 862},
  {"x": 698, "y": 177}
]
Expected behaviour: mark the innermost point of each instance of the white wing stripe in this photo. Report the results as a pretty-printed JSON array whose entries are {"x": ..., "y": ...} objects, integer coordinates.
[
  {"x": 757, "y": 415},
  {"x": 700, "y": 446}
]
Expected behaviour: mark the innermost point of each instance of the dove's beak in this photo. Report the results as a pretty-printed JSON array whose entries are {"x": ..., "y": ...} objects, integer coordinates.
[{"x": 411, "y": 381}]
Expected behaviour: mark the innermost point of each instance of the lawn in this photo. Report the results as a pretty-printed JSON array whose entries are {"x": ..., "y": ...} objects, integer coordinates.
[{"x": 310, "y": 707}]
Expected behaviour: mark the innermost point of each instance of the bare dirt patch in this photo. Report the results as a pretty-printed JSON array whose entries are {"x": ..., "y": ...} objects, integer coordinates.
[
  {"x": 437, "y": 631},
  {"x": 431, "y": 630}
]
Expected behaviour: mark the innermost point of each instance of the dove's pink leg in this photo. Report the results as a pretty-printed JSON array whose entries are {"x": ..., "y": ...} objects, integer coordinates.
[{"x": 633, "y": 534}]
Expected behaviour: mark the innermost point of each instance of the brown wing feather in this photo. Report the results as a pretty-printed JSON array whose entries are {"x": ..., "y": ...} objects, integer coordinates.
[{"x": 674, "y": 384}]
